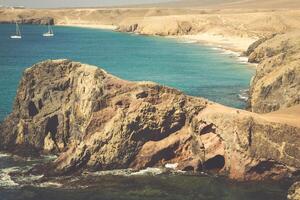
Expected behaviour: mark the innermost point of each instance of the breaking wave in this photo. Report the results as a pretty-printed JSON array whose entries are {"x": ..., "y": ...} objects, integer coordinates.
[
  {"x": 243, "y": 60},
  {"x": 3, "y": 155},
  {"x": 15, "y": 174},
  {"x": 244, "y": 95},
  {"x": 49, "y": 184},
  {"x": 13, "y": 170},
  {"x": 189, "y": 41},
  {"x": 148, "y": 171},
  {"x": 6, "y": 179}
]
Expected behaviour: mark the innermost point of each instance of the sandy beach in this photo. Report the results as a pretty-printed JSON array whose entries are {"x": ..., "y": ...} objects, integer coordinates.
[
  {"x": 92, "y": 26},
  {"x": 234, "y": 46}
]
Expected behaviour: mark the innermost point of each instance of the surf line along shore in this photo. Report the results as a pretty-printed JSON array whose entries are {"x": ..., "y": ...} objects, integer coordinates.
[{"x": 233, "y": 46}]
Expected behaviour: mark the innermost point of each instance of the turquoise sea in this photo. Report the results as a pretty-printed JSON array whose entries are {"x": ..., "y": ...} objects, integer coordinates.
[{"x": 197, "y": 70}]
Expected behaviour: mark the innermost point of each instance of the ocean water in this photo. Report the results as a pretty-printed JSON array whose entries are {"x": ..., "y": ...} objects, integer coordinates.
[
  {"x": 151, "y": 184},
  {"x": 197, "y": 70}
]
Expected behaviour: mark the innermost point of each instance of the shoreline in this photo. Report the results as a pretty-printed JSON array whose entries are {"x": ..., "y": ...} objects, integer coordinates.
[
  {"x": 91, "y": 26},
  {"x": 223, "y": 49},
  {"x": 234, "y": 46},
  {"x": 219, "y": 43}
]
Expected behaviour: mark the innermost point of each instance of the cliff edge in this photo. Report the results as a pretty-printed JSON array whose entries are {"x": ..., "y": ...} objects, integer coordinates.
[{"x": 276, "y": 84}]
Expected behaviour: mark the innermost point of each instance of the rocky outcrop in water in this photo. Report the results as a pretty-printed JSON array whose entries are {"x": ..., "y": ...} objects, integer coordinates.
[
  {"x": 95, "y": 121},
  {"x": 276, "y": 83}
]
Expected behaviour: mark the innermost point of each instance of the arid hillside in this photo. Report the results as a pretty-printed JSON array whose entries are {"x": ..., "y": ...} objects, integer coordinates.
[{"x": 244, "y": 4}]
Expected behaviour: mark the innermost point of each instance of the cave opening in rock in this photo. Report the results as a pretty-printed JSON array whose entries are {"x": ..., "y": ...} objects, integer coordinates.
[
  {"x": 163, "y": 155},
  {"x": 188, "y": 168},
  {"x": 51, "y": 126},
  {"x": 32, "y": 109},
  {"x": 263, "y": 166},
  {"x": 215, "y": 163}
]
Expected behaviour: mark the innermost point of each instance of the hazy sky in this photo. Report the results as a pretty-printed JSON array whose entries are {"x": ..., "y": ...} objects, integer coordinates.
[{"x": 73, "y": 3}]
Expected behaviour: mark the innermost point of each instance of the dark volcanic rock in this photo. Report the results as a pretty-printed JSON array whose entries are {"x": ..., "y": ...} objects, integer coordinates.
[{"x": 96, "y": 121}]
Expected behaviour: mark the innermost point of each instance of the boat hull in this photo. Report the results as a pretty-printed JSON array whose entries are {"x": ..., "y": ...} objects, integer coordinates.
[
  {"x": 16, "y": 37},
  {"x": 48, "y": 35}
]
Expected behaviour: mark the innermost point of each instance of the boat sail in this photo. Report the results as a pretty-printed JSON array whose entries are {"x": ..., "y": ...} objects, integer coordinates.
[
  {"x": 18, "y": 33},
  {"x": 49, "y": 33}
]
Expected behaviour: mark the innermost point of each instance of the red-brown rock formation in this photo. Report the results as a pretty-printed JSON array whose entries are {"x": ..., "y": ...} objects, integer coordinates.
[{"x": 96, "y": 121}]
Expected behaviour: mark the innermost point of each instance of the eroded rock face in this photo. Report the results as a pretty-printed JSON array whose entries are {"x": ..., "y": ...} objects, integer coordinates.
[
  {"x": 276, "y": 83},
  {"x": 95, "y": 121},
  {"x": 52, "y": 102},
  {"x": 27, "y": 20},
  {"x": 164, "y": 28}
]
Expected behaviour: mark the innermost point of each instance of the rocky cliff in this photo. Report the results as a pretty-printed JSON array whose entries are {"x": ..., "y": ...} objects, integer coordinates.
[
  {"x": 29, "y": 20},
  {"x": 276, "y": 83},
  {"x": 95, "y": 121}
]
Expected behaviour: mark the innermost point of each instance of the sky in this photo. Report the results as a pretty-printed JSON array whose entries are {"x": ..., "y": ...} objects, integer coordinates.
[{"x": 73, "y": 3}]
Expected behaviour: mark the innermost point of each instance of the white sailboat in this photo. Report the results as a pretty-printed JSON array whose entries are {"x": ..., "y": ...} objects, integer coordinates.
[
  {"x": 18, "y": 33},
  {"x": 49, "y": 33}
]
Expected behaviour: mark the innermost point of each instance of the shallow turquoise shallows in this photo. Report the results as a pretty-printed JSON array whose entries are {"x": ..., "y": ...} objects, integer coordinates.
[{"x": 197, "y": 70}]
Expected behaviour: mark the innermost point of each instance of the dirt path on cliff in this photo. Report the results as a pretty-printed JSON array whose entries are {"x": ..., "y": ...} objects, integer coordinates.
[{"x": 290, "y": 116}]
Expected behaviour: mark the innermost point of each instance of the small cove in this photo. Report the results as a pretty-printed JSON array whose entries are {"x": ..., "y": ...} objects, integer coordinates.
[{"x": 194, "y": 69}]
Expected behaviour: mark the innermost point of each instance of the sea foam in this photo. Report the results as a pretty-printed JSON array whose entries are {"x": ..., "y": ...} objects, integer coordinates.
[
  {"x": 244, "y": 95},
  {"x": 3, "y": 155},
  {"x": 148, "y": 171},
  {"x": 5, "y": 178}
]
